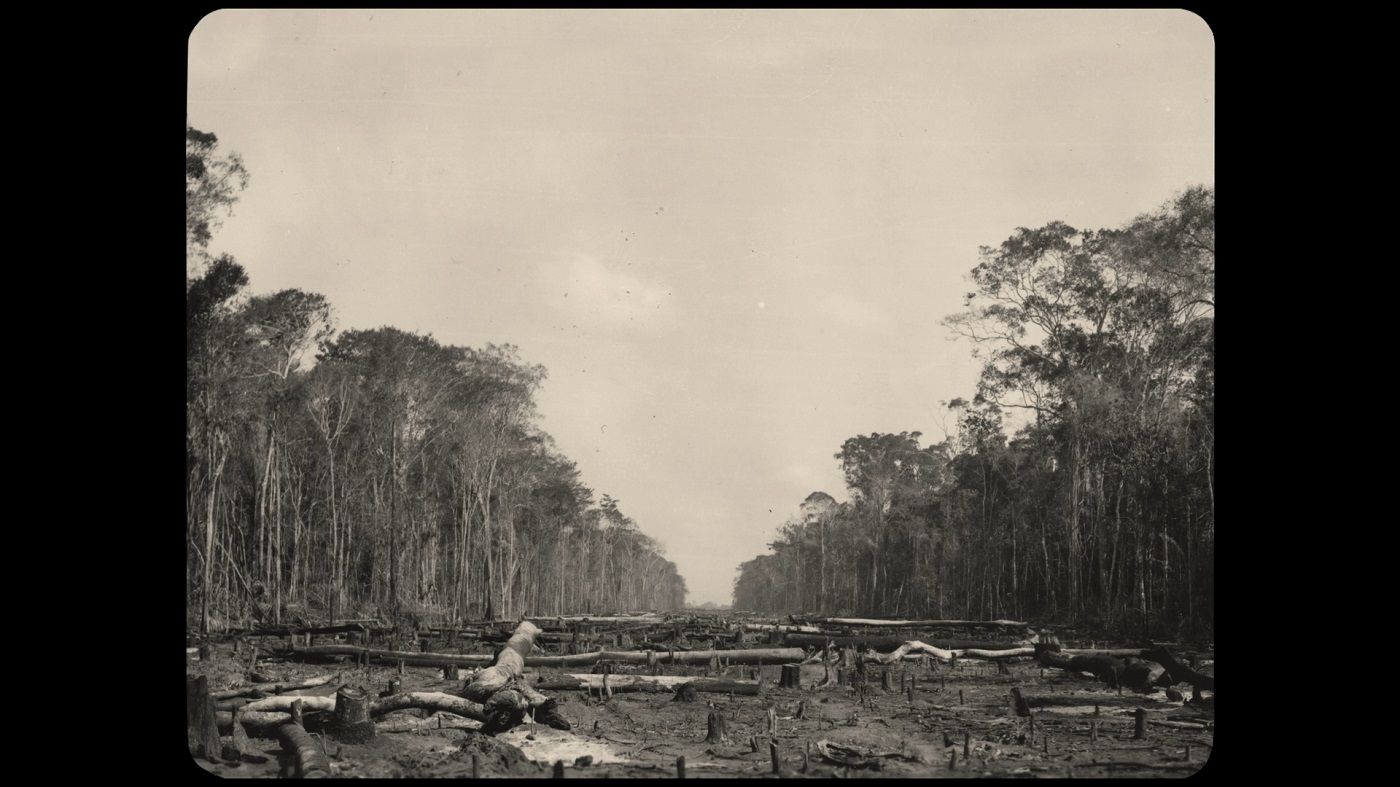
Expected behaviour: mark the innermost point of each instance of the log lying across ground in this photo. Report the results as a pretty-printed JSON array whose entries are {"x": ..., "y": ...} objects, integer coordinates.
[
  {"x": 647, "y": 683},
  {"x": 267, "y": 714},
  {"x": 273, "y": 688},
  {"x": 1178, "y": 672},
  {"x": 886, "y": 644},
  {"x": 503, "y": 691},
  {"x": 308, "y": 759},
  {"x": 282, "y": 631},
  {"x": 1130, "y": 673},
  {"x": 750, "y": 656},
  {"x": 923, "y": 623},
  {"x": 1024, "y": 703},
  {"x": 781, "y": 627},
  {"x": 915, "y": 647}
]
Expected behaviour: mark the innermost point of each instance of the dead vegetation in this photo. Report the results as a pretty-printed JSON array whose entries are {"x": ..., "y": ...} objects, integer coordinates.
[{"x": 706, "y": 695}]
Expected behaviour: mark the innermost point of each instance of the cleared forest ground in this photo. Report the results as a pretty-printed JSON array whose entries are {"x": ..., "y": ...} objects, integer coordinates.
[{"x": 935, "y": 719}]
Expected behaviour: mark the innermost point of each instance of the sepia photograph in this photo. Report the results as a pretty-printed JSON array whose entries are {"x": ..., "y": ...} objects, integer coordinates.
[{"x": 732, "y": 393}]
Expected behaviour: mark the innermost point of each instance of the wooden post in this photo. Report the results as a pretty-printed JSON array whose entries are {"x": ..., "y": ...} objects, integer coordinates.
[
  {"x": 1140, "y": 724},
  {"x": 960, "y": 696},
  {"x": 967, "y": 744}
]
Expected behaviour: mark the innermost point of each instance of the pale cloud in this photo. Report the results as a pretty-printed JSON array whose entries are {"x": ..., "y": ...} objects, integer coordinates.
[
  {"x": 588, "y": 291},
  {"x": 852, "y": 312}
]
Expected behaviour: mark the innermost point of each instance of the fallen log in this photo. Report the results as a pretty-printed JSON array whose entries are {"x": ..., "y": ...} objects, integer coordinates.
[
  {"x": 781, "y": 627},
  {"x": 274, "y": 688},
  {"x": 503, "y": 692},
  {"x": 886, "y": 644},
  {"x": 743, "y": 656},
  {"x": 412, "y": 658},
  {"x": 307, "y": 758},
  {"x": 1178, "y": 672},
  {"x": 258, "y": 723},
  {"x": 1132, "y": 673},
  {"x": 915, "y": 647},
  {"x": 650, "y": 619},
  {"x": 1024, "y": 702},
  {"x": 922, "y": 623},
  {"x": 649, "y": 683},
  {"x": 283, "y": 631}
]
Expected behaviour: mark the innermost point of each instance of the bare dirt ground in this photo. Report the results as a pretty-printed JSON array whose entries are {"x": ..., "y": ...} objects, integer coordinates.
[{"x": 960, "y": 723}]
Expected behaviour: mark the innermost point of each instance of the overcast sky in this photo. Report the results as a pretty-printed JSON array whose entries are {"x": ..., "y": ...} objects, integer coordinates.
[{"x": 729, "y": 235}]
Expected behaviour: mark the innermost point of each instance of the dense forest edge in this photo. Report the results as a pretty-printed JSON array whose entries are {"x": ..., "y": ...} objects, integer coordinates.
[
  {"x": 374, "y": 474},
  {"x": 1077, "y": 486},
  {"x": 380, "y": 474}
]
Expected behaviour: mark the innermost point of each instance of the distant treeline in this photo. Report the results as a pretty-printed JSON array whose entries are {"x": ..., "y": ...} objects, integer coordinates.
[
  {"x": 395, "y": 476},
  {"x": 1100, "y": 509}
]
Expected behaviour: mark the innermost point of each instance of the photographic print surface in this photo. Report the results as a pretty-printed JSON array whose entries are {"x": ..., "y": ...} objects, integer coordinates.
[{"x": 645, "y": 393}]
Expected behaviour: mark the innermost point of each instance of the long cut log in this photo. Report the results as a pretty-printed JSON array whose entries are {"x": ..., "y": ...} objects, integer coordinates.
[
  {"x": 650, "y": 683},
  {"x": 886, "y": 644},
  {"x": 310, "y": 762},
  {"x": 923, "y": 623},
  {"x": 274, "y": 688},
  {"x": 1178, "y": 672},
  {"x": 916, "y": 647},
  {"x": 1133, "y": 673}
]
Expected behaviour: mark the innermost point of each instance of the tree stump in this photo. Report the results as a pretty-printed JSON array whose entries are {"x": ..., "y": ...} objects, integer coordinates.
[
  {"x": 886, "y": 683},
  {"x": 716, "y": 732},
  {"x": 238, "y": 739},
  {"x": 684, "y": 693},
  {"x": 791, "y": 678},
  {"x": 840, "y": 676},
  {"x": 451, "y": 672},
  {"x": 201, "y": 723},
  {"x": 352, "y": 723},
  {"x": 1140, "y": 724}
]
